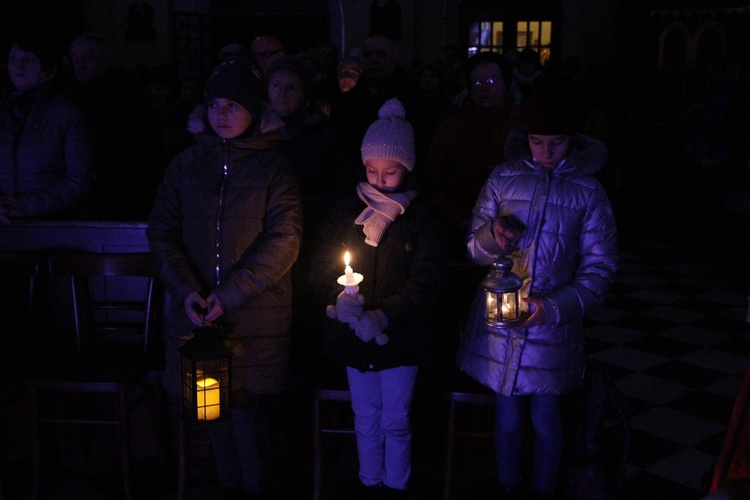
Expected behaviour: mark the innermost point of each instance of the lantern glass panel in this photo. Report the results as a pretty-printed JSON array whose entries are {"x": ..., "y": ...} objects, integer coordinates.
[
  {"x": 492, "y": 310},
  {"x": 205, "y": 384},
  {"x": 509, "y": 308}
]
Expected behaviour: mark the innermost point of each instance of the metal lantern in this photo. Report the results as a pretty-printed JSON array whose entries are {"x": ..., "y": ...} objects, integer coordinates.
[
  {"x": 206, "y": 376},
  {"x": 501, "y": 286}
]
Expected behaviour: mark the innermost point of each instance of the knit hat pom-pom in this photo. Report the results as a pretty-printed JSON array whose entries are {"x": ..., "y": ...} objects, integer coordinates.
[
  {"x": 392, "y": 108},
  {"x": 390, "y": 136}
]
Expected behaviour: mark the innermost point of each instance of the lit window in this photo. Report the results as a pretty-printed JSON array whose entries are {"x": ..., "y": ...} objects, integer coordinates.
[
  {"x": 485, "y": 36},
  {"x": 535, "y": 34}
]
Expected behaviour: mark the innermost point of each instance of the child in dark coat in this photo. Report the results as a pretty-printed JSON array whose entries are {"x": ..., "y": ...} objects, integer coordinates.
[{"x": 225, "y": 230}]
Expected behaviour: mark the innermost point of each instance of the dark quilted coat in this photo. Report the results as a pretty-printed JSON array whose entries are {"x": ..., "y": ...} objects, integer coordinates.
[
  {"x": 47, "y": 154},
  {"x": 228, "y": 219}
]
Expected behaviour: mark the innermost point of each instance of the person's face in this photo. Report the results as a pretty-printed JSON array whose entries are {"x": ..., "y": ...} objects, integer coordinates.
[
  {"x": 266, "y": 50},
  {"x": 487, "y": 85},
  {"x": 228, "y": 118},
  {"x": 549, "y": 150},
  {"x": 378, "y": 59},
  {"x": 429, "y": 80},
  {"x": 191, "y": 92},
  {"x": 25, "y": 69},
  {"x": 386, "y": 175},
  {"x": 286, "y": 93},
  {"x": 88, "y": 62},
  {"x": 348, "y": 76}
]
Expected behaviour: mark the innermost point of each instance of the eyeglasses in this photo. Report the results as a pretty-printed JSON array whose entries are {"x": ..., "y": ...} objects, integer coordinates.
[
  {"x": 266, "y": 54},
  {"x": 379, "y": 53},
  {"x": 489, "y": 80},
  {"x": 344, "y": 73}
]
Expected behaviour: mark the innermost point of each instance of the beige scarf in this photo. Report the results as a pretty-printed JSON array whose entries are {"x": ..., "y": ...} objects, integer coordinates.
[{"x": 382, "y": 209}]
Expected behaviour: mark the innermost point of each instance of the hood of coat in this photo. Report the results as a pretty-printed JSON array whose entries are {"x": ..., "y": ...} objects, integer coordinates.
[
  {"x": 586, "y": 156},
  {"x": 259, "y": 140}
]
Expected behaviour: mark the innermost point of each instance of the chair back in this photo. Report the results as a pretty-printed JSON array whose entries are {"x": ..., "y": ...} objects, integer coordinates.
[
  {"x": 19, "y": 269},
  {"x": 113, "y": 297}
]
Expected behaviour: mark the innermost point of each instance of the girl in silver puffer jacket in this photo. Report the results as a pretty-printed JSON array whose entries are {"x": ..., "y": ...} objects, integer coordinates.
[{"x": 566, "y": 255}]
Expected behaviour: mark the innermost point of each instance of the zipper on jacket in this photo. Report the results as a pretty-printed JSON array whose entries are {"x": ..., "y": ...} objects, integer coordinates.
[{"x": 217, "y": 242}]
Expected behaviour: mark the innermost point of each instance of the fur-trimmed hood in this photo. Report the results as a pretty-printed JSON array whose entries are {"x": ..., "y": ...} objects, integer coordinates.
[{"x": 586, "y": 156}]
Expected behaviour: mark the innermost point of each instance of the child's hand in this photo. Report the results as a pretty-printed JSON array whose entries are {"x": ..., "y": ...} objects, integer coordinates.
[
  {"x": 538, "y": 316},
  {"x": 505, "y": 235},
  {"x": 215, "y": 308},
  {"x": 195, "y": 308},
  {"x": 371, "y": 325},
  {"x": 348, "y": 308}
]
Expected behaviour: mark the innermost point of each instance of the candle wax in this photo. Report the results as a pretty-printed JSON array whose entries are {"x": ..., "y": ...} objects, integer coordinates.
[{"x": 208, "y": 399}]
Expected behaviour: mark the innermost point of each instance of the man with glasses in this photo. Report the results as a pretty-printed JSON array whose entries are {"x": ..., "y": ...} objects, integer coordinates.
[
  {"x": 463, "y": 151},
  {"x": 469, "y": 143}
]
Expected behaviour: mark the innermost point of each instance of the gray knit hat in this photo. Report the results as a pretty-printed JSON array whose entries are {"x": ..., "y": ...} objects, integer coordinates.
[{"x": 390, "y": 136}]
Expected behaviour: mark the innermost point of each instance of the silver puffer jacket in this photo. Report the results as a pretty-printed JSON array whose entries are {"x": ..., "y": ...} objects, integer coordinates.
[{"x": 567, "y": 256}]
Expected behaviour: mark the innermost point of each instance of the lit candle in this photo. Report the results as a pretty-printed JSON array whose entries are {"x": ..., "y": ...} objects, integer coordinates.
[
  {"x": 348, "y": 269},
  {"x": 208, "y": 399},
  {"x": 349, "y": 280}
]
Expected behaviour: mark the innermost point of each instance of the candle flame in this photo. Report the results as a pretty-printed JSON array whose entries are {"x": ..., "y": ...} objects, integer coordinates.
[{"x": 346, "y": 258}]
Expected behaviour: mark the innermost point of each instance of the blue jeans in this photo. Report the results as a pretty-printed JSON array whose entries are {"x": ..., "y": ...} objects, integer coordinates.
[
  {"x": 241, "y": 448},
  {"x": 548, "y": 440},
  {"x": 381, "y": 402}
]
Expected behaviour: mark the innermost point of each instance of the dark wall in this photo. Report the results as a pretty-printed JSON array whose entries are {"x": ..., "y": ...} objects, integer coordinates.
[{"x": 61, "y": 19}]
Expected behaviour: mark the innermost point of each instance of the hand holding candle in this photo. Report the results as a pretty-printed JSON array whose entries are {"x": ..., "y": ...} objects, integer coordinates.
[
  {"x": 350, "y": 280},
  {"x": 349, "y": 305}
]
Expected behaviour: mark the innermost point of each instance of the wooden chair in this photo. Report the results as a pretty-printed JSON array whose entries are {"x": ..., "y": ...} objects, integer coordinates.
[
  {"x": 331, "y": 392},
  {"x": 19, "y": 275},
  {"x": 461, "y": 390},
  {"x": 18, "y": 272},
  {"x": 113, "y": 325}
]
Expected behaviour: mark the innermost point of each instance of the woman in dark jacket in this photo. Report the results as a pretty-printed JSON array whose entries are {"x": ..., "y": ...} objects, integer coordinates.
[
  {"x": 225, "y": 230},
  {"x": 46, "y": 149},
  {"x": 383, "y": 333}
]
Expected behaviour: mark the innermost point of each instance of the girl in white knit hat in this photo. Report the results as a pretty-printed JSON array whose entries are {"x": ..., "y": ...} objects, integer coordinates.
[{"x": 382, "y": 334}]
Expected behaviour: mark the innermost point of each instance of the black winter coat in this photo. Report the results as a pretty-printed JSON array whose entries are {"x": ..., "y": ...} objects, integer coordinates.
[
  {"x": 234, "y": 231},
  {"x": 402, "y": 277},
  {"x": 47, "y": 154}
]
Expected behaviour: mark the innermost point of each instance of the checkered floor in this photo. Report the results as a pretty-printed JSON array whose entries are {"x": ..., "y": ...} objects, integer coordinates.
[{"x": 672, "y": 336}]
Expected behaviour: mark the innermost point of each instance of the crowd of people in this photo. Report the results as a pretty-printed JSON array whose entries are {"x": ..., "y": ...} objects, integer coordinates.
[{"x": 256, "y": 178}]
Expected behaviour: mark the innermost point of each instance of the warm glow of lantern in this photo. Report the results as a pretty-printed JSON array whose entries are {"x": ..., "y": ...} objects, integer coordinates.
[
  {"x": 509, "y": 306},
  {"x": 502, "y": 308},
  {"x": 492, "y": 306},
  {"x": 208, "y": 399}
]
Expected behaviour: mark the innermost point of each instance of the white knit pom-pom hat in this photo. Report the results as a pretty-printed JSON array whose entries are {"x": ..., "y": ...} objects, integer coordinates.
[{"x": 391, "y": 136}]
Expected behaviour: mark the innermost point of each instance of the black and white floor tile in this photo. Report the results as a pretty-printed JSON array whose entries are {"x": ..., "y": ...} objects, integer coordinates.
[{"x": 672, "y": 335}]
